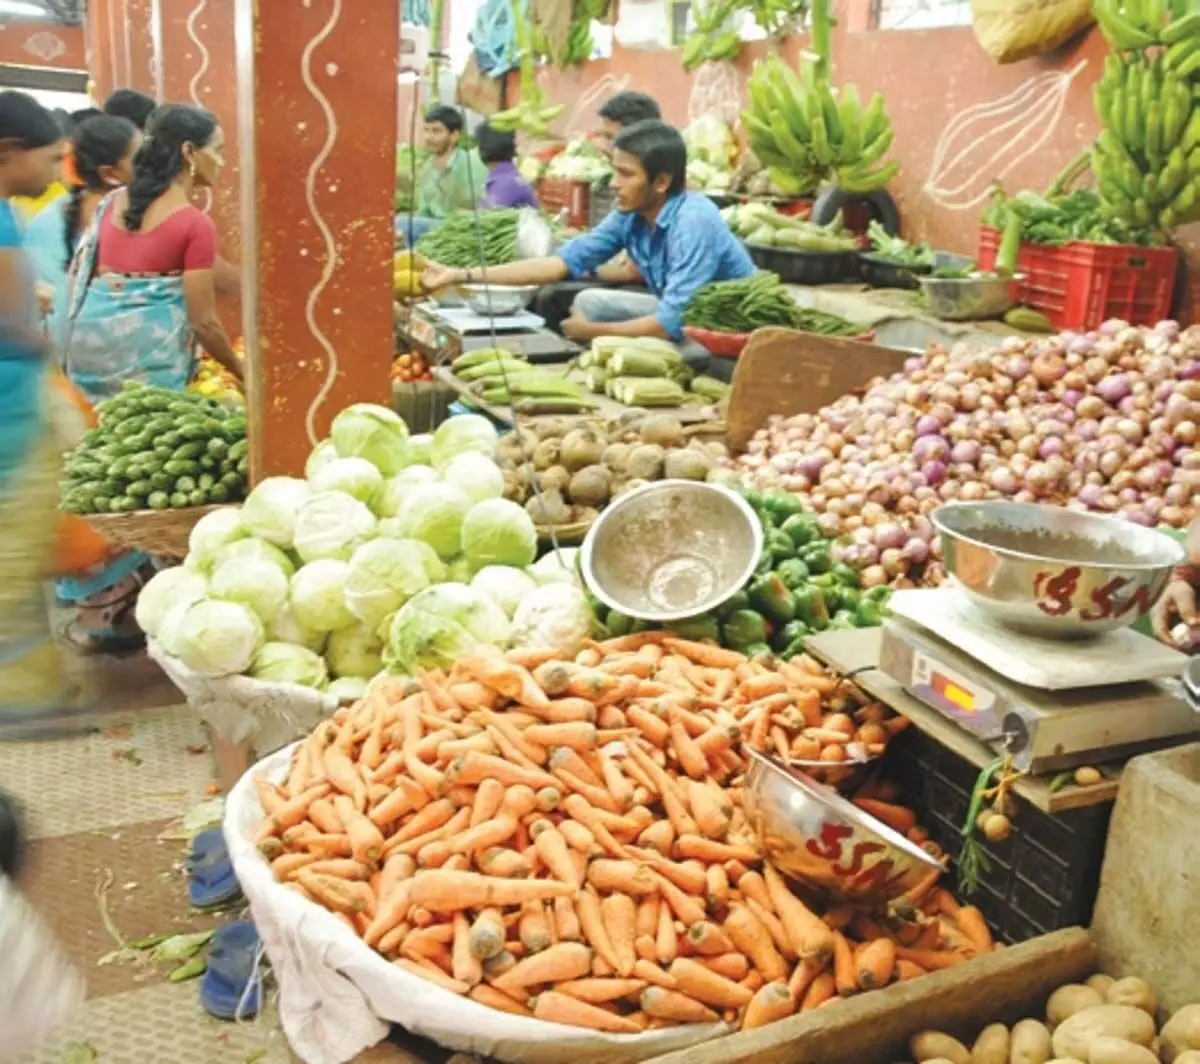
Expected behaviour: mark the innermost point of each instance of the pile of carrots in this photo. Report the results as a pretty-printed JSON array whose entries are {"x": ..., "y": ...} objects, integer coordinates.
[{"x": 566, "y": 839}]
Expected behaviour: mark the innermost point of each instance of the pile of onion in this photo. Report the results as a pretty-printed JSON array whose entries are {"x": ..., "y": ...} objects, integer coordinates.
[{"x": 1107, "y": 421}]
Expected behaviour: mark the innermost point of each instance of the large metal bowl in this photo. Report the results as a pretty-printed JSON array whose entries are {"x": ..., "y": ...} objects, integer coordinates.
[
  {"x": 813, "y": 834},
  {"x": 974, "y": 298},
  {"x": 1051, "y": 571},
  {"x": 671, "y": 549},
  {"x": 497, "y": 298}
]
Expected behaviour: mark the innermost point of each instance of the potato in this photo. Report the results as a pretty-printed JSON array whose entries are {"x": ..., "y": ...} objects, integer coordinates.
[
  {"x": 934, "y": 1045},
  {"x": 1066, "y": 1060},
  {"x": 1181, "y": 1033},
  {"x": 1070, "y": 999},
  {"x": 1188, "y": 1056},
  {"x": 1105, "y": 1050},
  {"x": 1030, "y": 1043},
  {"x": 991, "y": 1047},
  {"x": 1100, "y": 982},
  {"x": 1074, "y": 1035},
  {"x": 1132, "y": 991}
]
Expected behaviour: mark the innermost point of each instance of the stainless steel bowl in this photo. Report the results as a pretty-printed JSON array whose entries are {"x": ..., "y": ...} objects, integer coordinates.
[
  {"x": 813, "y": 834},
  {"x": 845, "y": 777},
  {"x": 671, "y": 549},
  {"x": 498, "y": 298},
  {"x": 974, "y": 298},
  {"x": 1051, "y": 571}
]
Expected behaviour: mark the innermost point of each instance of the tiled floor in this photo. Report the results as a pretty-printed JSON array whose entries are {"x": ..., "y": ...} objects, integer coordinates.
[{"x": 98, "y": 807}]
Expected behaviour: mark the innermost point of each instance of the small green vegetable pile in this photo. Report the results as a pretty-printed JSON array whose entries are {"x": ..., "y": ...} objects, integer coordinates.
[
  {"x": 644, "y": 372},
  {"x": 896, "y": 250},
  {"x": 1054, "y": 220},
  {"x": 756, "y": 301},
  {"x": 762, "y": 224},
  {"x": 797, "y": 589},
  {"x": 158, "y": 449},
  {"x": 456, "y": 241}
]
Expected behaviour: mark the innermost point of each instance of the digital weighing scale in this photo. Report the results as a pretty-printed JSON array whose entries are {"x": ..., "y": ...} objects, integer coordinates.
[
  {"x": 1051, "y": 704},
  {"x": 443, "y": 333}
]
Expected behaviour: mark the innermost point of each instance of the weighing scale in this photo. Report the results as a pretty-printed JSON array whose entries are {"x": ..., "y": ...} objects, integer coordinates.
[
  {"x": 443, "y": 333},
  {"x": 1051, "y": 704}
]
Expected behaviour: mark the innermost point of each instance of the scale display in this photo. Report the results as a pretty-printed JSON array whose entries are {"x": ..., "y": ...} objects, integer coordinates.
[{"x": 953, "y": 694}]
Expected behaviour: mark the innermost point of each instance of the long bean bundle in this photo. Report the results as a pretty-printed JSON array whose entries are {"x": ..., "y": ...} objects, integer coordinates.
[
  {"x": 756, "y": 301},
  {"x": 456, "y": 242}
]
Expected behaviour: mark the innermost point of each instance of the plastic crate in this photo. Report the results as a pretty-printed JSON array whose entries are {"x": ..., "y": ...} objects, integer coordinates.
[
  {"x": 1042, "y": 878},
  {"x": 1080, "y": 285},
  {"x": 556, "y": 195}
]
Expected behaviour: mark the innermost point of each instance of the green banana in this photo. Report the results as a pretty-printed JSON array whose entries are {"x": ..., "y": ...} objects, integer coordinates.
[
  {"x": 1123, "y": 31},
  {"x": 1154, "y": 129},
  {"x": 850, "y": 114},
  {"x": 861, "y": 182},
  {"x": 1182, "y": 28}
]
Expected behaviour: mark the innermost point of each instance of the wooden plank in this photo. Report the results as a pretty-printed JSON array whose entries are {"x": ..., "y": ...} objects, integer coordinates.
[
  {"x": 848, "y": 650},
  {"x": 786, "y": 372},
  {"x": 875, "y": 1028}
]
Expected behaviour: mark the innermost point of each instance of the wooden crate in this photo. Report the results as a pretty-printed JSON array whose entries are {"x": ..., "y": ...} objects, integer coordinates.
[{"x": 875, "y": 1028}]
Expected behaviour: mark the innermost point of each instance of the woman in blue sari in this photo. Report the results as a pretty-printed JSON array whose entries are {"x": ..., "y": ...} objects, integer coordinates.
[{"x": 140, "y": 296}]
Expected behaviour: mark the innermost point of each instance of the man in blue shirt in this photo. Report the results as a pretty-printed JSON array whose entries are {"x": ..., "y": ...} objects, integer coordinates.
[{"x": 675, "y": 239}]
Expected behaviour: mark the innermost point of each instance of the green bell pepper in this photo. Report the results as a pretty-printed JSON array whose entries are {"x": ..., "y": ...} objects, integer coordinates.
[
  {"x": 802, "y": 528},
  {"x": 739, "y": 600},
  {"x": 780, "y": 545},
  {"x": 817, "y": 556},
  {"x": 841, "y": 620},
  {"x": 753, "y": 498},
  {"x": 868, "y": 614},
  {"x": 793, "y": 572},
  {"x": 766, "y": 561},
  {"x": 771, "y": 597},
  {"x": 792, "y": 649},
  {"x": 809, "y": 606},
  {"x": 824, "y": 581},
  {"x": 879, "y": 593},
  {"x": 833, "y": 595},
  {"x": 742, "y": 628},
  {"x": 850, "y": 597},
  {"x": 699, "y": 628},
  {"x": 790, "y": 633},
  {"x": 618, "y": 623},
  {"x": 846, "y": 576},
  {"x": 757, "y": 650},
  {"x": 782, "y": 504}
]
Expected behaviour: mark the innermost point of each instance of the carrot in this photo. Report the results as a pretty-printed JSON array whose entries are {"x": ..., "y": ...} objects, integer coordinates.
[
  {"x": 341, "y": 868},
  {"x": 708, "y": 940},
  {"x": 684, "y": 905},
  {"x": 565, "y": 710},
  {"x": 503, "y": 863},
  {"x": 578, "y": 808},
  {"x": 906, "y": 969},
  {"x": 666, "y": 940},
  {"x": 618, "y": 912},
  {"x": 766, "y": 683},
  {"x": 672, "y": 1005},
  {"x": 931, "y": 960},
  {"x": 511, "y": 742},
  {"x": 344, "y": 775},
  {"x": 810, "y": 938},
  {"x": 326, "y": 846},
  {"x": 476, "y": 767},
  {"x": 735, "y": 966},
  {"x": 552, "y": 849},
  {"x": 591, "y": 922},
  {"x": 975, "y": 928},
  {"x": 707, "y": 809},
  {"x": 897, "y": 817},
  {"x": 820, "y": 990},
  {"x": 529, "y": 658},
  {"x": 628, "y": 877},
  {"x": 578, "y": 837},
  {"x": 752, "y": 885},
  {"x": 923, "y": 886},
  {"x": 658, "y": 836},
  {"x": 845, "y": 977},
  {"x": 486, "y": 835},
  {"x": 599, "y": 991},
  {"x": 432, "y": 817},
  {"x": 488, "y": 995},
  {"x": 708, "y": 850},
  {"x": 566, "y": 921},
  {"x": 554, "y": 1007},
  {"x": 291, "y": 812},
  {"x": 366, "y": 840},
  {"x": 577, "y": 735},
  {"x": 749, "y": 936},
  {"x": 268, "y": 795},
  {"x": 335, "y": 894},
  {"x": 874, "y": 963},
  {"x": 946, "y": 903},
  {"x": 433, "y": 974},
  {"x": 486, "y": 937},
  {"x": 428, "y": 942},
  {"x": 652, "y": 973},
  {"x": 647, "y": 915},
  {"x": 716, "y": 887},
  {"x": 472, "y": 695},
  {"x": 567, "y": 960},
  {"x": 653, "y": 728},
  {"x": 287, "y": 865},
  {"x": 465, "y": 967},
  {"x": 707, "y": 986},
  {"x": 691, "y": 758},
  {"x": 512, "y": 681},
  {"x": 442, "y": 891},
  {"x": 533, "y": 929},
  {"x": 772, "y": 1002},
  {"x": 596, "y": 795},
  {"x": 802, "y": 978},
  {"x": 774, "y": 928},
  {"x": 616, "y": 781},
  {"x": 488, "y": 797}
]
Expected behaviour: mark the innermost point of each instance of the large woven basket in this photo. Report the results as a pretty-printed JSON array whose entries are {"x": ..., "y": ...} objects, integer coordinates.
[{"x": 160, "y": 532}]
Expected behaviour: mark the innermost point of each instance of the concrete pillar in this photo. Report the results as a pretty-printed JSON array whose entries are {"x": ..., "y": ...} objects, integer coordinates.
[{"x": 317, "y": 89}]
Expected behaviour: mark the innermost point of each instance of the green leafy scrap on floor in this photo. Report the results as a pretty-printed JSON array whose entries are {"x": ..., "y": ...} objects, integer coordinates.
[
  {"x": 180, "y": 947},
  {"x": 80, "y": 1053}
]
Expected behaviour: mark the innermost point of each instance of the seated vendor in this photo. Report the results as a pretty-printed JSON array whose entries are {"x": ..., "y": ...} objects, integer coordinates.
[
  {"x": 1178, "y": 604},
  {"x": 505, "y": 187},
  {"x": 621, "y": 111},
  {"x": 676, "y": 240},
  {"x": 450, "y": 179}
]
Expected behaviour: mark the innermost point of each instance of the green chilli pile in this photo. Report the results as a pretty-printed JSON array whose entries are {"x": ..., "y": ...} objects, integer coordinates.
[
  {"x": 758, "y": 301},
  {"x": 456, "y": 242}
]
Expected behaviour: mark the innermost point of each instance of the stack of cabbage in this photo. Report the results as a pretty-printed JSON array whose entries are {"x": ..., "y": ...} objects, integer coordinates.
[{"x": 393, "y": 550}]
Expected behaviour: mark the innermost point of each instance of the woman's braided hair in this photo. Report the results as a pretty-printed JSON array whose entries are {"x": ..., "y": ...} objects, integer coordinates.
[
  {"x": 97, "y": 142},
  {"x": 159, "y": 160}
]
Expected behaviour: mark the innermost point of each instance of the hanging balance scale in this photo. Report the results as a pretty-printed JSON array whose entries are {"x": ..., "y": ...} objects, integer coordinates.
[{"x": 1052, "y": 704}]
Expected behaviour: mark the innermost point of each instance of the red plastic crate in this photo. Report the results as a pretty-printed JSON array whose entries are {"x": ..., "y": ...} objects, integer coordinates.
[
  {"x": 1080, "y": 285},
  {"x": 557, "y": 194}
]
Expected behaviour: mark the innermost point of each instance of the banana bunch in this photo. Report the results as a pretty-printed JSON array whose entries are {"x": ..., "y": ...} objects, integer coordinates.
[
  {"x": 579, "y": 45},
  {"x": 1147, "y": 157},
  {"x": 1134, "y": 25},
  {"x": 714, "y": 37},
  {"x": 532, "y": 115},
  {"x": 806, "y": 132},
  {"x": 778, "y": 18}
]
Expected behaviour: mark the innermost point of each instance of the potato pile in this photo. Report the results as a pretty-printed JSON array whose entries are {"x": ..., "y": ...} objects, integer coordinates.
[
  {"x": 1102, "y": 1021},
  {"x": 578, "y": 464}
]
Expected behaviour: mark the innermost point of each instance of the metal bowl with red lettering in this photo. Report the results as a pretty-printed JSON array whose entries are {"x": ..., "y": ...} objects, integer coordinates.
[
  {"x": 814, "y": 835},
  {"x": 1051, "y": 571}
]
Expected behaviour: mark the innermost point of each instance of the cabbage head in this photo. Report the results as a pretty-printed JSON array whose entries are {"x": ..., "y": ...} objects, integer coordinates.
[
  {"x": 321, "y": 456},
  {"x": 384, "y": 575},
  {"x": 214, "y": 638},
  {"x": 318, "y": 595},
  {"x": 373, "y": 432},
  {"x": 256, "y": 550},
  {"x": 433, "y": 513},
  {"x": 499, "y": 532},
  {"x": 420, "y": 449},
  {"x": 348, "y": 688},
  {"x": 476, "y": 474},
  {"x": 396, "y": 489},
  {"x": 286, "y": 629},
  {"x": 462, "y": 434},
  {"x": 554, "y": 617},
  {"x": 441, "y": 624},
  {"x": 215, "y": 529},
  {"x": 355, "y": 476},
  {"x": 166, "y": 589},
  {"x": 256, "y": 584},
  {"x": 504, "y": 585},
  {"x": 332, "y": 524},
  {"x": 557, "y": 567},
  {"x": 269, "y": 511},
  {"x": 354, "y": 651},
  {"x": 287, "y": 663},
  {"x": 460, "y": 570}
]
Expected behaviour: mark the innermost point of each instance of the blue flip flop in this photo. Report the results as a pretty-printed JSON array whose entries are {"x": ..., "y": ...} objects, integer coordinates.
[
  {"x": 212, "y": 881},
  {"x": 232, "y": 986}
]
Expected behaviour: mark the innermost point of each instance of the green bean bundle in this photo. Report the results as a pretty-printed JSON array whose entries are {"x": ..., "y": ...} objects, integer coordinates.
[
  {"x": 756, "y": 301},
  {"x": 456, "y": 241}
]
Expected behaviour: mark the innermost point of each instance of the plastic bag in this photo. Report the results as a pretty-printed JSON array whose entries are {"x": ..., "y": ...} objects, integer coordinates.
[
  {"x": 642, "y": 24},
  {"x": 335, "y": 991},
  {"x": 1010, "y": 31}
]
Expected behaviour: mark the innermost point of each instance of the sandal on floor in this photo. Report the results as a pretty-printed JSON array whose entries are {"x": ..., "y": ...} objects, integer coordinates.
[
  {"x": 212, "y": 882},
  {"x": 93, "y": 645},
  {"x": 232, "y": 985}
]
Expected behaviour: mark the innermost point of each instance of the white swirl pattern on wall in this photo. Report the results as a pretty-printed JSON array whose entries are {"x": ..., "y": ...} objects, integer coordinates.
[{"x": 194, "y": 84}]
